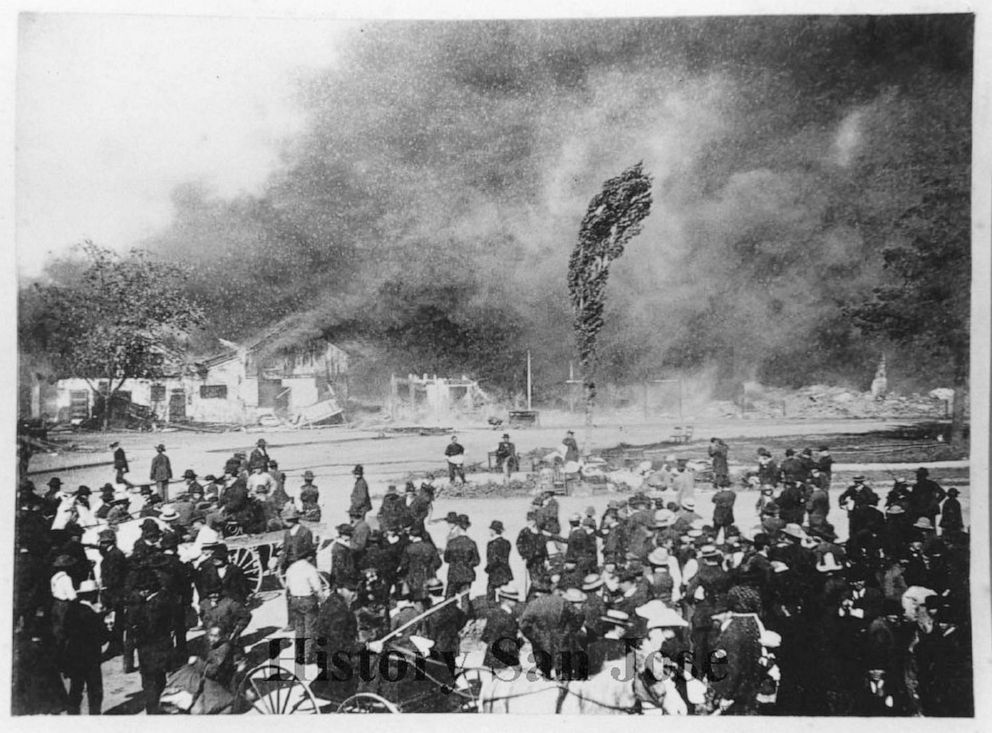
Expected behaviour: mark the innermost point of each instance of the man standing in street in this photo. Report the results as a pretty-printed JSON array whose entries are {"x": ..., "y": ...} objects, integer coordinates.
[
  {"x": 150, "y": 621},
  {"x": 455, "y": 454},
  {"x": 719, "y": 453},
  {"x": 304, "y": 590},
  {"x": 120, "y": 464},
  {"x": 297, "y": 541},
  {"x": 498, "y": 571},
  {"x": 86, "y": 633},
  {"x": 462, "y": 556},
  {"x": 825, "y": 462},
  {"x": 259, "y": 456},
  {"x": 161, "y": 472},
  {"x": 361, "y": 504}
]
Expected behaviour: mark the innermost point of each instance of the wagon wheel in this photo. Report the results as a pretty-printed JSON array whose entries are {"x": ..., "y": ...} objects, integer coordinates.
[
  {"x": 251, "y": 565},
  {"x": 468, "y": 686},
  {"x": 367, "y": 702},
  {"x": 269, "y": 689}
]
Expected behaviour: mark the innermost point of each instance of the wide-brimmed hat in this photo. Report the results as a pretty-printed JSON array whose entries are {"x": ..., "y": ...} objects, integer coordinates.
[
  {"x": 189, "y": 473},
  {"x": 858, "y": 478},
  {"x": 463, "y": 521},
  {"x": 88, "y": 586},
  {"x": 508, "y": 593},
  {"x": 121, "y": 501},
  {"x": 658, "y": 557},
  {"x": 793, "y": 530},
  {"x": 160, "y": 446},
  {"x": 435, "y": 586},
  {"x": 210, "y": 477},
  {"x": 64, "y": 561},
  {"x": 664, "y": 518},
  {"x": 496, "y": 526},
  {"x": 290, "y": 513},
  {"x": 84, "y": 491},
  {"x": 895, "y": 509},
  {"x": 778, "y": 566},
  {"x": 658, "y": 615},
  {"x": 107, "y": 535},
  {"x": 592, "y": 582},
  {"x": 451, "y": 518},
  {"x": 689, "y": 504},
  {"x": 923, "y": 523},
  {"x": 953, "y": 492},
  {"x": 169, "y": 514},
  {"x": 574, "y": 595},
  {"x": 219, "y": 549},
  {"x": 54, "y": 481},
  {"x": 709, "y": 551},
  {"x": 828, "y": 564},
  {"x": 616, "y": 618}
]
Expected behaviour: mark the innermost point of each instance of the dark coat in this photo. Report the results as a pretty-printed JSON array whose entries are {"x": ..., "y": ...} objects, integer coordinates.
[
  {"x": 344, "y": 572},
  {"x": 723, "y": 511},
  {"x": 544, "y": 622},
  {"x": 393, "y": 514},
  {"x": 792, "y": 506},
  {"x": 498, "y": 562},
  {"x": 925, "y": 498},
  {"x": 161, "y": 468},
  {"x": 581, "y": 549},
  {"x": 360, "y": 501},
  {"x": 113, "y": 574},
  {"x": 532, "y": 547},
  {"x": 718, "y": 456},
  {"x": 462, "y": 556},
  {"x": 120, "y": 461},
  {"x": 420, "y": 563},
  {"x": 259, "y": 458},
  {"x": 500, "y": 637},
  {"x": 615, "y": 544},
  {"x": 233, "y": 585},
  {"x": 86, "y": 633},
  {"x": 442, "y": 628},
  {"x": 295, "y": 546},
  {"x": 950, "y": 515},
  {"x": 337, "y": 625},
  {"x": 739, "y": 678}
]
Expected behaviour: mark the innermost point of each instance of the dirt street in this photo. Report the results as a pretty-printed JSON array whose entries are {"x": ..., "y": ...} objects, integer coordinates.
[{"x": 388, "y": 458}]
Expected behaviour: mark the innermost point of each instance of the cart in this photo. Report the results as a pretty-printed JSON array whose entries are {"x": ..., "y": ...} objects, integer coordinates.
[
  {"x": 426, "y": 686},
  {"x": 258, "y": 554}
]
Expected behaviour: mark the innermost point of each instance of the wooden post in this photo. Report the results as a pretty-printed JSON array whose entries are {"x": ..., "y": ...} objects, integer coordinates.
[{"x": 528, "y": 382}]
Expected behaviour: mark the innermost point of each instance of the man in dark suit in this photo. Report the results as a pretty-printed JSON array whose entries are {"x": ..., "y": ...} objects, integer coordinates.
[
  {"x": 462, "y": 556},
  {"x": 501, "y": 632},
  {"x": 361, "y": 504},
  {"x": 344, "y": 572},
  {"x": 418, "y": 564},
  {"x": 297, "y": 542},
  {"x": 161, "y": 472},
  {"x": 498, "y": 571},
  {"x": 336, "y": 631},
  {"x": 113, "y": 576},
  {"x": 443, "y": 625},
  {"x": 120, "y": 464},
  {"x": 221, "y": 572},
  {"x": 150, "y": 621},
  {"x": 259, "y": 456},
  {"x": 86, "y": 633}
]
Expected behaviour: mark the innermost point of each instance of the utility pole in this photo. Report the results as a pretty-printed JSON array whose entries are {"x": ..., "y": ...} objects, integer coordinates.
[
  {"x": 528, "y": 382},
  {"x": 570, "y": 381}
]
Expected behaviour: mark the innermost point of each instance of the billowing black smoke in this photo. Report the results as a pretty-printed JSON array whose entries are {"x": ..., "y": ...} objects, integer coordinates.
[{"x": 430, "y": 208}]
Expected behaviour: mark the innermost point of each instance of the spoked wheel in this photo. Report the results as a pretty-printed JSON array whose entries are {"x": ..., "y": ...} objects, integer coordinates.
[
  {"x": 250, "y": 564},
  {"x": 468, "y": 687},
  {"x": 367, "y": 702},
  {"x": 269, "y": 689}
]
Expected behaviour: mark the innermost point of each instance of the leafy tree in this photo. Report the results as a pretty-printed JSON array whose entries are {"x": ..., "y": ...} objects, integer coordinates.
[
  {"x": 112, "y": 321},
  {"x": 613, "y": 218}
]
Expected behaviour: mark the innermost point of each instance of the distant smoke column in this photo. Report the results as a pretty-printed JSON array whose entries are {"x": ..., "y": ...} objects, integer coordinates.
[{"x": 880, "y": 384}]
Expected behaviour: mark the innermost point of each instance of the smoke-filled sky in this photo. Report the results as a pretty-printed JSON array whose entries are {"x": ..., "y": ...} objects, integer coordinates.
[{"x": 419, "y": 186}]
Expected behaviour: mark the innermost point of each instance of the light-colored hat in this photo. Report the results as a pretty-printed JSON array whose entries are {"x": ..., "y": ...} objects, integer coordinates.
[
  {"x": 592, "y": 582},
  {"x": 168, "y": 514},
  {"x": 709, "y": 551},
  {"x": 615, "y": 617},
  {"x": 658, "y": 615},
  {"x": 923, "y": 523},
  {"x": 689, "y": 504},
  {"x": 659, "y": 557},
  {"x": 88, "y": 586},
  {"x": 829, "y": 564},
  {"x": 574, "y": 595},
  {"x": 664, "y": 518},
  {"x": 509, "y": 593},
  {"x": 895, "y": 509},
  {"x": 778, "y": 566},
  {"x": 793, "y": 530}
]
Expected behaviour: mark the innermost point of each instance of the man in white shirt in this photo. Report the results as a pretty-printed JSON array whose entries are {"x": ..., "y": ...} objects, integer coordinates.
[{"x": 305, "y": 592}]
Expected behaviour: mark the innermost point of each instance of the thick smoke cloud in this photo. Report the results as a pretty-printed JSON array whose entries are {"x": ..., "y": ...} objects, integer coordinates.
[{"x": 427, "y": 215}]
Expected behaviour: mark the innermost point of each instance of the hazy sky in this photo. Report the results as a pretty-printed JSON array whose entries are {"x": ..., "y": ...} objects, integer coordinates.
[{"x": 114, "y": 111}]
